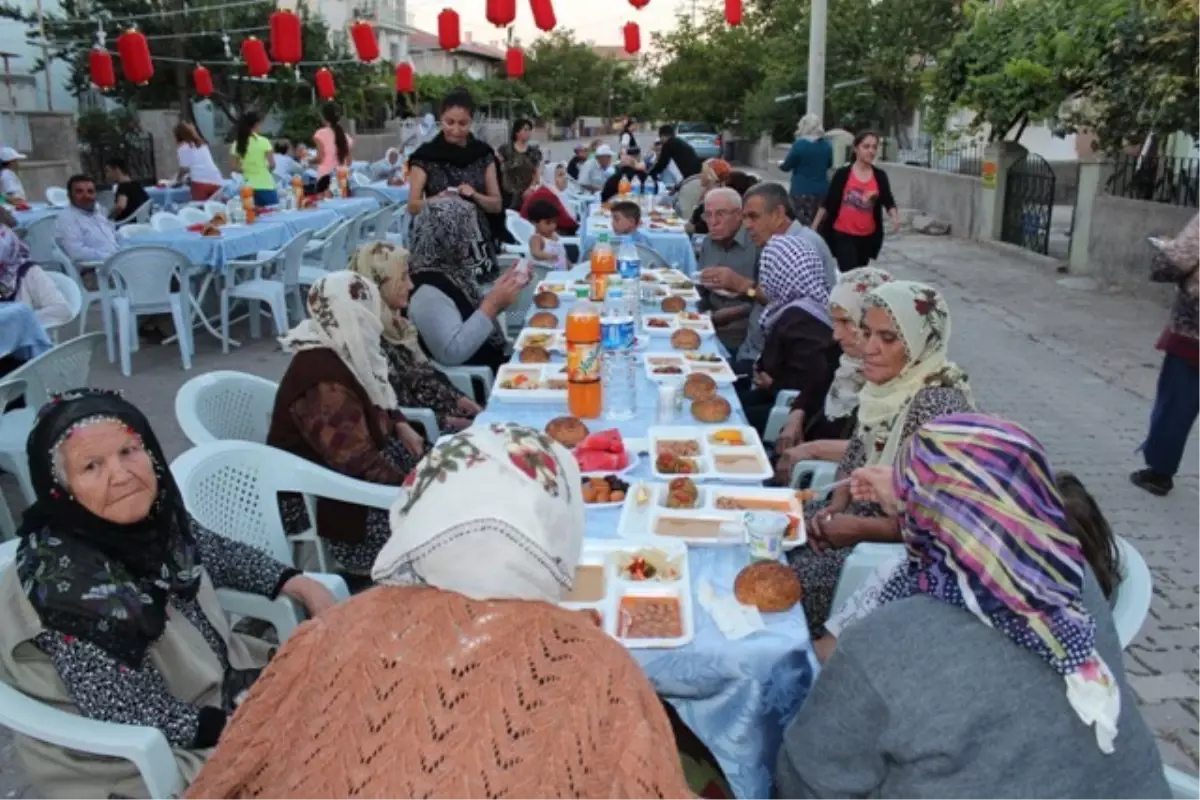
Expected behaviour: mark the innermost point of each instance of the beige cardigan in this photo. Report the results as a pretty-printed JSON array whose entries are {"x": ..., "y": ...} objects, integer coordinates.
[{"x": 190, "y": 668}]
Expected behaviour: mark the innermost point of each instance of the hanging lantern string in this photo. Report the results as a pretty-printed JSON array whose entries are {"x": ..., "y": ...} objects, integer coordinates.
[
  {"x": 208, "y": 63},
  {"x": 57, "y": 41},
  {"x": 186, "y": 10}
]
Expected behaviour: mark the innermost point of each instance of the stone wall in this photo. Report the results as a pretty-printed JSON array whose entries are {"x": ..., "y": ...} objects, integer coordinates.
[
  {"x": 1117, "y": 251},
  {"x": 955, "y": 199},
  {"x": 160, "y": 123},
  {"x": 38, "y": 176},
  {"x": 53, "y": 138}
]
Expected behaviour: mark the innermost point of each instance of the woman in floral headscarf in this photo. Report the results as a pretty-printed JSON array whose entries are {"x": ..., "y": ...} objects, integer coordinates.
[
  {"x": 993, "y": 667},
  {"x": 22, "y": 281},
  {"x": 336, "y": 407},
  {"x": 459, "y": 675},
  {"x": 905, "y": 330}
]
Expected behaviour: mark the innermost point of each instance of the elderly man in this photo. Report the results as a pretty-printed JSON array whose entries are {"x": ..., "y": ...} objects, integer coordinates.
[
  {"x": 727, "y": 245},
  {"x": 85, "y": 235},
  {"x": 578, "y": 160},
  {"x": 594, "y": 172},
  {"x": 766, "y": 215}
]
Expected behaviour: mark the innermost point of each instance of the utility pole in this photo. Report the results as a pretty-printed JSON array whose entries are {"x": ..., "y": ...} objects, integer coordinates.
[
  {"x": 816, "y": 58},
  {"x": 41, "y": 18}
]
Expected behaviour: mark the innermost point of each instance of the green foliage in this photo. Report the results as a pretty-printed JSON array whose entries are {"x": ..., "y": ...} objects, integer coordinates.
[
  {"x": 98, "y": 130},
  {"x": 568, "y": 80}
]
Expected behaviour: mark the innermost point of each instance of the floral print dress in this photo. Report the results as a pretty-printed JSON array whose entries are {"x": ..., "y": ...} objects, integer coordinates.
[{"x": 419, "y": 385}]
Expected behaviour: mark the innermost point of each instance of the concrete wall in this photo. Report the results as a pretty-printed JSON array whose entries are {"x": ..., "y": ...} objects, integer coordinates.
[
  {"x": 953, "y": 198},
  {"x": 53, "y": 137},
  {"x": 1117, "y": 250},
  {"x": 160, "y": 124},
  {"x": 38, "y": 176}
]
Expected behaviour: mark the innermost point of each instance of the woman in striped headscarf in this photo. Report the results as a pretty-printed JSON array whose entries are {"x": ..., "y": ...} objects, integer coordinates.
[{"x": 992, "y": 667}]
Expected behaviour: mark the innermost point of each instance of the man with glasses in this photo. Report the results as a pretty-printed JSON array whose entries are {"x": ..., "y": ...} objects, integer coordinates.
[
  {"x": 85, "y": 234},
  {"x": 728, "y": 245}
]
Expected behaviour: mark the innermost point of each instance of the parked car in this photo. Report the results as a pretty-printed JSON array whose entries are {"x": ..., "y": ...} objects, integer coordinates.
[{"x": 704, "y": 138}]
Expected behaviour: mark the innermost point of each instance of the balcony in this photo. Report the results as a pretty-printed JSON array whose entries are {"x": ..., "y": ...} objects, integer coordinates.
[{"x": 387, "y": 14}]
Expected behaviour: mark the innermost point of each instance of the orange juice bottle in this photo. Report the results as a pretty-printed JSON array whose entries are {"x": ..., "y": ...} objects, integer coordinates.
[
  {"x": 298, "y": 190},
  {"x": 624, "y": 186},
  {"x": 584, "y": 397},
  {"x": 247, "y": 202},
  {"x": 603, "y": 258}
]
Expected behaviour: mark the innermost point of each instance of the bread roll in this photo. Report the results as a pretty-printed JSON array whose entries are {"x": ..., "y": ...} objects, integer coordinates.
[
  {"x": 534, "y": 355},
  {"x": 714, "y": 409},
  {"x": 543, "y": 319},
  {"x": 567, "y": 431},
  {"x": 546, "y": 300},
  {"x": 673, "y": 304},
  {"x": 769, "y": 586},
  {"x": 699, "y": 386},
  {"x": 685, "y": 339}
]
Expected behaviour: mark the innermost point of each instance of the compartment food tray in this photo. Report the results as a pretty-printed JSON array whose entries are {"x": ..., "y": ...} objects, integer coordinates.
[
  {"x": 541, "y": 373},
  {"x": 639, "y": 521},
  {"x": 711, "y": 454}
]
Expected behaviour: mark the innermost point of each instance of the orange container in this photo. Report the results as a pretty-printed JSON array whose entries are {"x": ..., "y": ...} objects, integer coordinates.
[
  {"x": 298, "y": 190},
  {"x": 624, "y": 186},
  {"x": 584, "y": 398},
  {"x": 603, "y": 258}
]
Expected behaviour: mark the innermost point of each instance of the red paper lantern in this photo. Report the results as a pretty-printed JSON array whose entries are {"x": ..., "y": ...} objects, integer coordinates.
[
  {"x": 254, "y": 53},
  {"x": 501, "y": 12},
  {"x": 202, "y": 80},
  {"x": 639, "y": 4},
  {"x": 135, "y": 56},
  {"x": 287, "y": 38},
  {"x": 733, "y": 12},
  {"x": 449, "y": 36},
  {"x": 405, "y": 80},
  {"x": 363, "y": 34},
  {"x": 100, "y": 66},
  {"x": 514, "y": 61},
  {"x": 325, "y": 88},
  {"x": 543, "y": 14},
  {"x": 633, "y": 37}
]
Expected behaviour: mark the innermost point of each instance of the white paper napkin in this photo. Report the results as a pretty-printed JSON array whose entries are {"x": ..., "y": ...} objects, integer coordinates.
[{"x": 735, "y": 620}]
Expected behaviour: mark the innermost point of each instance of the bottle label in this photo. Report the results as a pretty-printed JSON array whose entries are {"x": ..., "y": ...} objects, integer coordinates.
[
  {"x": 630, "y": 268},
  {"x": 616, "y": 333},
  {"x": 583, "y": 362}
]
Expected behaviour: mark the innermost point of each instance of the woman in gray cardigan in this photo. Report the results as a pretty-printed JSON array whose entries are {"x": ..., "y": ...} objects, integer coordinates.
[{"x": 992, "y": 669}]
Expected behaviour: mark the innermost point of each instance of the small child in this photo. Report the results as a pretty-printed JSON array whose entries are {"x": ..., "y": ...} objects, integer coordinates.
[
  {"x": 545, "y": 246},
  {"x": 285, "y": 165},
  {"x": 626, "y": 217}
]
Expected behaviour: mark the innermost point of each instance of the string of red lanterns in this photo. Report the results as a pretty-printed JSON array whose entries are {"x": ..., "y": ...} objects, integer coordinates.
[
  {"x": 633, "y": 37},
  {"x": 733, "y": 12},
  {"x": 100, "y": 66},
  {"x": 135, "y": 56},
  {"x": 543, "y": 14},
  {"x": 287, "y": 37},
  {"x": 202, "y": 80},
  {"x": 449, "y": 35}
]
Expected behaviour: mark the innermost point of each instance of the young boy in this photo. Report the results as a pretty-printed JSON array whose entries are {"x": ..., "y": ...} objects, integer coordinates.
[
  {"x": 544, "y": 246},
  {"x": 285, "y": 165},
  {"x": 626, "y": 217}
]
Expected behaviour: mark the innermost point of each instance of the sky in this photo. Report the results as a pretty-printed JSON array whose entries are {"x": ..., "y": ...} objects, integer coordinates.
[{"x": 599, "y": 21}]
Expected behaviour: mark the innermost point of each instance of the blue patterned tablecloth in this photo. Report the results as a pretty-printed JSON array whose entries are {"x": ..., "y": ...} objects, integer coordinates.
[
  {"x": 396, "y": 194},
  {"x": 738, "y": 696},
  {"x": 348, "y": 207},
  {"x": 168, "y": 198},
  {"x": 676, "y": 248},
  {"x": 214, "y": 252},
  {"x": 21, "y": 335},
  {"x": 36, "y": 212}
]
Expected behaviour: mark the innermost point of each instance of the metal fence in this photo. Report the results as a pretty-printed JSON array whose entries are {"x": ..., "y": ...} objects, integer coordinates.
[
  {"x": 137, "y": 150},
  {"x": 1159, "y": 179},
  {"x": 960, "y": 158}
]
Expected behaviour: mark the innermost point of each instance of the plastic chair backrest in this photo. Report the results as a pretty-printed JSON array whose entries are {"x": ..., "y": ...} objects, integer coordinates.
[
  {"x": 225, "y": 405},
  {"x": 1182, "y": 784},
  {"x": 520, "y": 228},
  {"x": 143, "y": 272},
  {"x": 371, "y": 192},
  {"x": 39, "y": 238},
  {"x": 57, "y": 197},
  {"x": 651, "y": 258},
  {"x": 65, "y": 263},
  {"x": 383, "y": 221},
  {"x": 335, "y": 251},
  {"x": 133, "y": 229},
  {"x": 359, "y": 179},
  {"x": 1131, "y": 597},
  {"x": 140, "y": 216},
  {"x": 70, "y": 291},
  {"x": 232, "y": 487},
  {"x": 194, "y": 216},
  {"x": 292, "y": 258},
  {"x": 166, "y": 221},
  {"x": 64, "y": 367}
]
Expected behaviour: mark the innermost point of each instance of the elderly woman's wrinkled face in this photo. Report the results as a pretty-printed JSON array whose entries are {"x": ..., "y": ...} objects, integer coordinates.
[
  {"x": 881, "y": 346},
  {"x": 845, "y": 331},
  {"x": 107, "y": 469},
  {"x": 456, "y": 125}
]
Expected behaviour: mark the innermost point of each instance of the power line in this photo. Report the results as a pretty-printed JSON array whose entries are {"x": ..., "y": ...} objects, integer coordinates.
[{"x": 187, "y": 10}]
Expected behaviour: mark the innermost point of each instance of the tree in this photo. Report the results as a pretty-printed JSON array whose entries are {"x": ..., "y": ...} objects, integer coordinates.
[{"x": 568, "y": 80}]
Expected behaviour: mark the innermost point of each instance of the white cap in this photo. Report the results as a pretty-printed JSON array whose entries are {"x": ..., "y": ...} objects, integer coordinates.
[
  {"x": 602, "y": 150},
  {"x": 8, "y": 154}
]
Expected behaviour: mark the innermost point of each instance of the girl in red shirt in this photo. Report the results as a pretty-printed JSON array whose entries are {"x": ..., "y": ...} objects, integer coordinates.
[{"x": 852, "y": 218}]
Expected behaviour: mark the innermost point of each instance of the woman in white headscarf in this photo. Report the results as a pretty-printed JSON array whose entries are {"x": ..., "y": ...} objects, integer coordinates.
[
  {"x": 809, "y": 161},
  {"x": 335, "y": 407},
  {"x": 512, "y": 695},
  {"x": 389, "y": 168}
]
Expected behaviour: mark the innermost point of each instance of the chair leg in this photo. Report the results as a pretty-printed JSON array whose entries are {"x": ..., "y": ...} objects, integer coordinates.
[
  {"x": 106, "y": 321},
  {"x": 225, "y": 322},
  {"x": 123, "y": 332},
  {"x": 278, "y": 306},
  {"x": 255, "y": 318},
  {"x": 182, "y": 332}
]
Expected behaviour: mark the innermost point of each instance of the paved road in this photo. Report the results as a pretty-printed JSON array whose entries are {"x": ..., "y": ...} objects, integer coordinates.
[{"x": 1077, "y": 366}]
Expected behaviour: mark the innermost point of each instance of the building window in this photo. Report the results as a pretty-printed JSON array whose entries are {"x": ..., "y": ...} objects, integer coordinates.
[{"x": 396, "y": 54}]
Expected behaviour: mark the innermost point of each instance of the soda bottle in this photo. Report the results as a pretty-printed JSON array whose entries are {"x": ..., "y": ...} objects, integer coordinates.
[
  {"x": 623, "y": 187},
  {"x": 247, "y": 200},
  {"x": 298, "y": 191},
  {"x": 603, "y": 259},
  {"x": 584, "y": 394},
  {"x": 619, "y": 364}
]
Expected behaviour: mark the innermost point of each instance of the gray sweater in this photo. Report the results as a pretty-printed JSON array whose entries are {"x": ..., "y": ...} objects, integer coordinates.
[
  {"x": 451, "y": 339},
  {"x": 921, "y": 699}
]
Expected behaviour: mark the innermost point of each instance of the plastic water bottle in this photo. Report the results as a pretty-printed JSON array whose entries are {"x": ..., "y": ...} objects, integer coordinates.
[
  {"x": 619, "y": 366},
  {"x": 629, "y": 266},
  {"x": 636, "y": 190}
]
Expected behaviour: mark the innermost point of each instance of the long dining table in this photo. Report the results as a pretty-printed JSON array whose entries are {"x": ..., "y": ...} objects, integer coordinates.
[{"x": 737, "y": 696}]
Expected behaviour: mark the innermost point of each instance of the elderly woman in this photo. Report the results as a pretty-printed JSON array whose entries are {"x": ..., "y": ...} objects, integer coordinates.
[
  {"x": 819, "y": 426},
  {"x": 809, "y": 160},
  {"x": 993, "y": 667},
  {"x": 389, "y": 168},
  {"x": 336, "y": 407},
  {"x": 456, "y": 322},
  {"x": 904, "y": 330},
  {"x": 22, "y": 281},
  {"x": 459, "y": 675},
  {"x": 416, "y": 382},
  {"x": 713, "y": 174},
  {"x": 110, "y": 607}
]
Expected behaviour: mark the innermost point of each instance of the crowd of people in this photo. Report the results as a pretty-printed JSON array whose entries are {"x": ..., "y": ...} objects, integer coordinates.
[{"x": 981, "y": 661}]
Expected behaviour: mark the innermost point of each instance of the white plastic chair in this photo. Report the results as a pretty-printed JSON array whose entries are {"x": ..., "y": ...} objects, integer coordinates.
[
  {"x": 359, "y": 179},
  {"x": 273, "y": 272},
  {"x": 139, "y": 217},
  {"x": 233, "y": 487},
  {"x": 474, "y": 382},
  {"x": 66, "y": 366},
  {"x": 9, "y": 391},
  {"x": 89, "y": 296},
  {"x": 521, "y": 230},
  {"x": 133, "y": 230},
  {"x": 57, "y": 196},
  {"x": 71, "y": 292},
  {"x": 140, "y": 281},
  {"x": 689, "y": 196},
  {"x": 864, "y": 559},
  {"x": 1131, "y": 597},
  {"x": 194, "y": 216},
  {"x": 163, "y": 221},
  {"x": 39, "y": 238},
  {"x": 147, "y": 748},
  {"x": 1183, "y": 786},
  {"x": 329, "y": 257},
  {"x": 382, "y": 223},
  {"x": 777, "y": 419},
  {"x": 225, "y": 405},
  {"x": 212, "y": 208}
]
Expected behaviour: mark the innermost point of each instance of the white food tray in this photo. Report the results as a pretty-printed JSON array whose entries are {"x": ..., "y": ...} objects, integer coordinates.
[
  {"x": 604, "y": 556},
  {"x": 556, "y": 341},
  {"x": 672, "y": 321},
  {"x": 640, "y": 521},
  {"x": 701, "y": 323},
  {"x": 562, "y": 288},
  {"x": 712, "y": 455},
  {"x": 719, "y": 370},
  {"x": 540, "y": 373}
]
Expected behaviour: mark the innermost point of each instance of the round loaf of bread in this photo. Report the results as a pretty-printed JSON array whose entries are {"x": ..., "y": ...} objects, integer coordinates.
[
  {"x": 546, "y": 300},
  {"x": 699, "y": 386},
  {"x": 714, "y": 409},
  {"x": 567, "y": 431},
  {"x": 685, "y": 339},
  {"x": 534, "y": 355},
  {"x": 543, "y": 319},
  {"x": 768, "y": 586},
  {"x": 673, "y": 304}
]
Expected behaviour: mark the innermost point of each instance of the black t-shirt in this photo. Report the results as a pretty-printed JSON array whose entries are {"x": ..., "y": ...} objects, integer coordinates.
[
  {"x": 573, "y": 166},
  {"x": 135, "y": 196}
]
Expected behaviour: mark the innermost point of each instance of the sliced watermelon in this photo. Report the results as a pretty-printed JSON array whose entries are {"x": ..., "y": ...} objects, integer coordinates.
[
  {"x": 605, "y": 441},
  {"x": 597, "y": 461}
]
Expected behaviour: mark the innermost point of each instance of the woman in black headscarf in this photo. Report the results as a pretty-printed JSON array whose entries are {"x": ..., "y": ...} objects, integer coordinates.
[
  {"x": 110, "y": 607},
  {"x": 456, "y": 163}
]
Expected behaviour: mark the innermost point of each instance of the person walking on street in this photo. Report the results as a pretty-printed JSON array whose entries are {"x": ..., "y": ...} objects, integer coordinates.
[
  {"x": 1177, "y": 399},
  {"x": 334, "y": 147},
  {"x": 628, "y": 136},
  {"x": 852, "y": 218},
  {"x": 809, "y": 161},
  {"x": 675, "y": 151}
]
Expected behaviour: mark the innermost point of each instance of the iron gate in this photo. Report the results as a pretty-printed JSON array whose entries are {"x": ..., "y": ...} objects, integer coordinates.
[{"x": 1028, "y": 204}]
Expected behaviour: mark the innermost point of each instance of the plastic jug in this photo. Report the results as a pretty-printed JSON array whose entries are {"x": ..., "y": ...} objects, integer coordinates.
[
  {"x": 584, "y": 393},
  {"x": 603, "y": 259}
]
